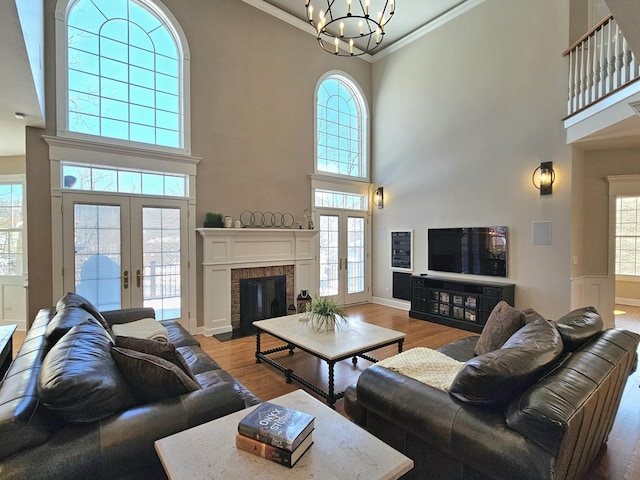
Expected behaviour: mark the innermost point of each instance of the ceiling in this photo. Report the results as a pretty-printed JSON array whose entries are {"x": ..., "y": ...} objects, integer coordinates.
[
  {"x": 410, "y": 15},
  {"x": 412, "y": 19}
]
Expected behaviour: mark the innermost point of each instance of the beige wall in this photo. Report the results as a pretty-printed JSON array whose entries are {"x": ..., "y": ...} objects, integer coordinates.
[
  {"x": 462, "y": 118},
  {"x": 12, "y": 165},
  {"x": 252, "y": 89},
  {"x": 628, "y": 292}
]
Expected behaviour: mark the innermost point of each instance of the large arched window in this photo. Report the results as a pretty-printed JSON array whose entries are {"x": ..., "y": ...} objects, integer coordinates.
[
  {"x": 341, "y": 128},
  {"x": 125, "y": 76}
]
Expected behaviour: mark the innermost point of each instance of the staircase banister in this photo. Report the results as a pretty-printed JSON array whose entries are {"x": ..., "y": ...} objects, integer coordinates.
[{"x": 587, "y": 35}]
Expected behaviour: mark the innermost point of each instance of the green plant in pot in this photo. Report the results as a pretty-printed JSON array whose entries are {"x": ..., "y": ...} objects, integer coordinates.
[
  {"x": 212, "y": 220},
  {"x": 325, "y": 314}
]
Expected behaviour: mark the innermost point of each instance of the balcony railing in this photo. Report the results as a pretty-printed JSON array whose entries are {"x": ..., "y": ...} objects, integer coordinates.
[{"x": 600, "y": 63}]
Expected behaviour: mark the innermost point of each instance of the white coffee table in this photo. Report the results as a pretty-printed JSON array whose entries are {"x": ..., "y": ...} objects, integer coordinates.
[
  {"x": 340, "y": 450},
  {"x": 352, "y": 339}
]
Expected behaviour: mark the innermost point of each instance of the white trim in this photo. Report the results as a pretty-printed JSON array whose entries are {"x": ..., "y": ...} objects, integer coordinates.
[
  {"x": 399, "y": 304},
  {"x": 454, "y": 12},
  {"x": 62, "y": 91},
  {"x": 634, "y": 302}
]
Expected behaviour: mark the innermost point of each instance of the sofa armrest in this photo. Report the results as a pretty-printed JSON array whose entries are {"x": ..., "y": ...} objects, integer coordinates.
[
  {"x": 127, "y": 315},
  {"x": 476, "y": 436}
]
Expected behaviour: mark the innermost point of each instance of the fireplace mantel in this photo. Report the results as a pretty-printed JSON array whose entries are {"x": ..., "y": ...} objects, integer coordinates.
[{"x": 225, "y": 249}]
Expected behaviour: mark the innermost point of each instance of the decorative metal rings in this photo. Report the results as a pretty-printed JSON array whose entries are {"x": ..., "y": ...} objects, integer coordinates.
[{"x": 266, "y": 219}]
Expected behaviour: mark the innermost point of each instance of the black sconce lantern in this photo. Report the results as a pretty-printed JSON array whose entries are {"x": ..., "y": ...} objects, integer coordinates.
[
  {"x": 543, "y": 178},
  {"x": 378, "y": 197}
]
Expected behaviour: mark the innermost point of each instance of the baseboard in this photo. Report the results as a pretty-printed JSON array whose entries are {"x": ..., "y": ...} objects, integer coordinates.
[
  {"x": 387, "y": 302},
  {"x": 634, "y": 302}
]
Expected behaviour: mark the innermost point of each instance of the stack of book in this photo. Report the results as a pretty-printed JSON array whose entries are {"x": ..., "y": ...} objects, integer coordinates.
[{"x": 277, "y": 433}]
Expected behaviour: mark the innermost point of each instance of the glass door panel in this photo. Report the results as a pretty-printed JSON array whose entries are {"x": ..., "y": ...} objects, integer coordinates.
[
  {"x": 330, "y": 259},
  {"x": 355, "y": 255},
  {"x": 161, "y": 261}
]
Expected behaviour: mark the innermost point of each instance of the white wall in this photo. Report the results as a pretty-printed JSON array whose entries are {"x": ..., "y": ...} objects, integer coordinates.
[{"x": 461, "y": 119}]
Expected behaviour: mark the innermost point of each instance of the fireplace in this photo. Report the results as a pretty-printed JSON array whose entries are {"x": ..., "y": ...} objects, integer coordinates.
[
  {"x": 261, "y": 298},
  {"x": 258, "y": 293},
  {"x": 232, "y": 254}
]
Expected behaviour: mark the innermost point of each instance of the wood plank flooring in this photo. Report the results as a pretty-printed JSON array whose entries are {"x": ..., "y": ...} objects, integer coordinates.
[{"x": 620, "y": 460}]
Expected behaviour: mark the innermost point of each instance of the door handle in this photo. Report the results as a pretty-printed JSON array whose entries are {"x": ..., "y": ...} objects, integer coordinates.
[
  {"x": 126, "y": 279},
  {"x": 138, "y": 278},
  {"x": 340, "y": 268}
]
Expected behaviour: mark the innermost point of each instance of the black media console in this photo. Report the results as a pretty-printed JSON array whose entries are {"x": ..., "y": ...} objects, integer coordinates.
[{"x": 456, "y": 302}]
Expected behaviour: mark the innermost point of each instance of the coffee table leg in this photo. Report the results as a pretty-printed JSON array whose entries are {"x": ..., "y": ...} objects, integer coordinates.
[
  {"x": 400, "y": 342},
  {"x": 257, "y": 345},
  {"x": 331, "y": 398}
]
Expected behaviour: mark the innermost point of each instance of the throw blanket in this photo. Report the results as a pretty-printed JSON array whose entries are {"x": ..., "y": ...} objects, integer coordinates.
[
  {"x": 148, "y": 328},
  {"x": 425, "y": 365}
]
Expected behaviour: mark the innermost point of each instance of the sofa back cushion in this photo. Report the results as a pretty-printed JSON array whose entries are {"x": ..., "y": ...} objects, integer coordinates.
[
  {"x": 72, "y": 309},
  {"x": 497, "y": 376},
  {"x": 79, "y": 380},
  {"x": 578, "y": 327},
  {"x": 503, "y": 321}
]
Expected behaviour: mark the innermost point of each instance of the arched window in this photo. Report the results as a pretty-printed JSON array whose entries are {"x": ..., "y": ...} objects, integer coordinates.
[
  {"x": 125, "y": 76},
  {"x": 341, "y": 128}
]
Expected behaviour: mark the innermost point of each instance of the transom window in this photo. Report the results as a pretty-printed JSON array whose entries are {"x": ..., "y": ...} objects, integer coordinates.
[
  {"x": 341, "y": 200},
  {"x": 11, "y": 228},
  {"x": 341, "y": 123},
  {"x": 124, "y": 73},
  {"x": 628, "y": 236},
  {"x": 97, "y": 178}
]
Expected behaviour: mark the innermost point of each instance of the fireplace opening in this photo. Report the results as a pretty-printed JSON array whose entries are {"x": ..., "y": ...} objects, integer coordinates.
[{"x": 261, "y": 298}]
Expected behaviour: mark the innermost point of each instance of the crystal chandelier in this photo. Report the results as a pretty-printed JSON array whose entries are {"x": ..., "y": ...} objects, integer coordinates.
[{"x": 360, "y": 24}]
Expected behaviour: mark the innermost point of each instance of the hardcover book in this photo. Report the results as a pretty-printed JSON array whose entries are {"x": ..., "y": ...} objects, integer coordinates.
[
  {"x": 275, "y": 454},
  {"x": 278, "y": 426}
]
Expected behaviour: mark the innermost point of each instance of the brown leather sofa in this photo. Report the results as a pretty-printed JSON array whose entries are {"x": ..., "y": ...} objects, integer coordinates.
[
  {"x": 38, "y": 443},
  {"x": 492, "y": 424}
]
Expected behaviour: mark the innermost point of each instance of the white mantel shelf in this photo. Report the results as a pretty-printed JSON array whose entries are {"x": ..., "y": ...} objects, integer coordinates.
[{"x": 225, "y": 249}]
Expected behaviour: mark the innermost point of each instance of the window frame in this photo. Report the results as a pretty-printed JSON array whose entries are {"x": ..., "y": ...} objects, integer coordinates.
[
  {"x": 18, "y": 179},
  {"x": 364, "y": 126},
  {"x": 626, "y": 276},
  {"x": 63, "y": 8}
]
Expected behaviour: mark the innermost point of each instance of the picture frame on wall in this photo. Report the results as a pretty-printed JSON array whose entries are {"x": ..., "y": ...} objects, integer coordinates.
[{"x": 402, "y": 250}]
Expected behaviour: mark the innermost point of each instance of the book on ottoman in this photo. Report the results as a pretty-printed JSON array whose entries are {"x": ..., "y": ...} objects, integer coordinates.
[
  {"x": 277, "y": 426},
  {"x": 275, "y": 454}
]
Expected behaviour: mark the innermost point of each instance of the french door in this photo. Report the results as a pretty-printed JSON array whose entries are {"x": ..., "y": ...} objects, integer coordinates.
[
  {"x": 343, "y": 256},
  {"x": 125, "y": 251}
]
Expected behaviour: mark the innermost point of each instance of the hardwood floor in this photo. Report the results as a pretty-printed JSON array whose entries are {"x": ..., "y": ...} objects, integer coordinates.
[{"x": 619, "y": 461}]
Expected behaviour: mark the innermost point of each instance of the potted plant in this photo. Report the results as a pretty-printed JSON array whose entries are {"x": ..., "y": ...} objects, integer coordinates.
[
  {"x": 325, "y": 314},
  {"x": 212, "y": 220}
]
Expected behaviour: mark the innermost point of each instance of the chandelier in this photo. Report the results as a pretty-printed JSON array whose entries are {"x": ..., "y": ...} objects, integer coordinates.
[{"x": 345, "y": 25}]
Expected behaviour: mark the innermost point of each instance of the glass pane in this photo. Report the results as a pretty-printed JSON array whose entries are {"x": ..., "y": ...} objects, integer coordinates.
[
  {"x": 98, "y": 255},
  {"x": 355, "y": 255},
  {"x": 161, "y": 261},
  {"x": 329, "y": 255}
]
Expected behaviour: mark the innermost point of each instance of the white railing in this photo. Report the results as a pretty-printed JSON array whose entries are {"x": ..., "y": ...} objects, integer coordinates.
[{"x": 599, "y": 63}]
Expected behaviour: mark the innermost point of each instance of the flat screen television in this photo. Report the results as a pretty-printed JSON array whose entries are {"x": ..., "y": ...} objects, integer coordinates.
[{"x": 474, "y": 250}]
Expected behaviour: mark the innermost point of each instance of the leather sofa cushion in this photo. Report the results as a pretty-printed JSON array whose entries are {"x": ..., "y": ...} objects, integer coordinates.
[
  {"x": 578, "y": 327},
  {"x": 79, "y": 380},
  {"x": 153, "y": 378},
  {"x": 178, "y": 335},
  {"x": 462, "y": 349},
  {"x": 71, "y": 299},
  {"x": 166, "y": 351},
  {"x": 503, "y": 321},
  {"x": 496, "y": 377}
]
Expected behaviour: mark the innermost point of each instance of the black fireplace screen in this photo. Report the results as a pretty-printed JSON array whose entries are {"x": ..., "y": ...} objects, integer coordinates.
[{"x": 261, "y": 298}]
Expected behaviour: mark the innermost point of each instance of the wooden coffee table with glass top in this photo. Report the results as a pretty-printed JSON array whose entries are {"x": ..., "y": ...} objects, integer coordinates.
[{"x": 352, "y": 339}]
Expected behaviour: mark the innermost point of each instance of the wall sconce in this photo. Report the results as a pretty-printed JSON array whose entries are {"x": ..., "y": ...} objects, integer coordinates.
[
  {"x": 378, "y": 197},
  {"x": 543, "y": 178}
]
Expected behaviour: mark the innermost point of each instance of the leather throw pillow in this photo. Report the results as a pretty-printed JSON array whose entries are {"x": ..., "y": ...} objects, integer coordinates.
[
  {"x": 503, "y": 322},
  {"x": 152, "y": 378}
]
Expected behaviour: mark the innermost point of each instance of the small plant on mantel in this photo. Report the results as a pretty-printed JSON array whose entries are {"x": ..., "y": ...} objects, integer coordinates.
[
  {"x": 212, "y": 220},
  {"x": 325, "y": 314}
]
